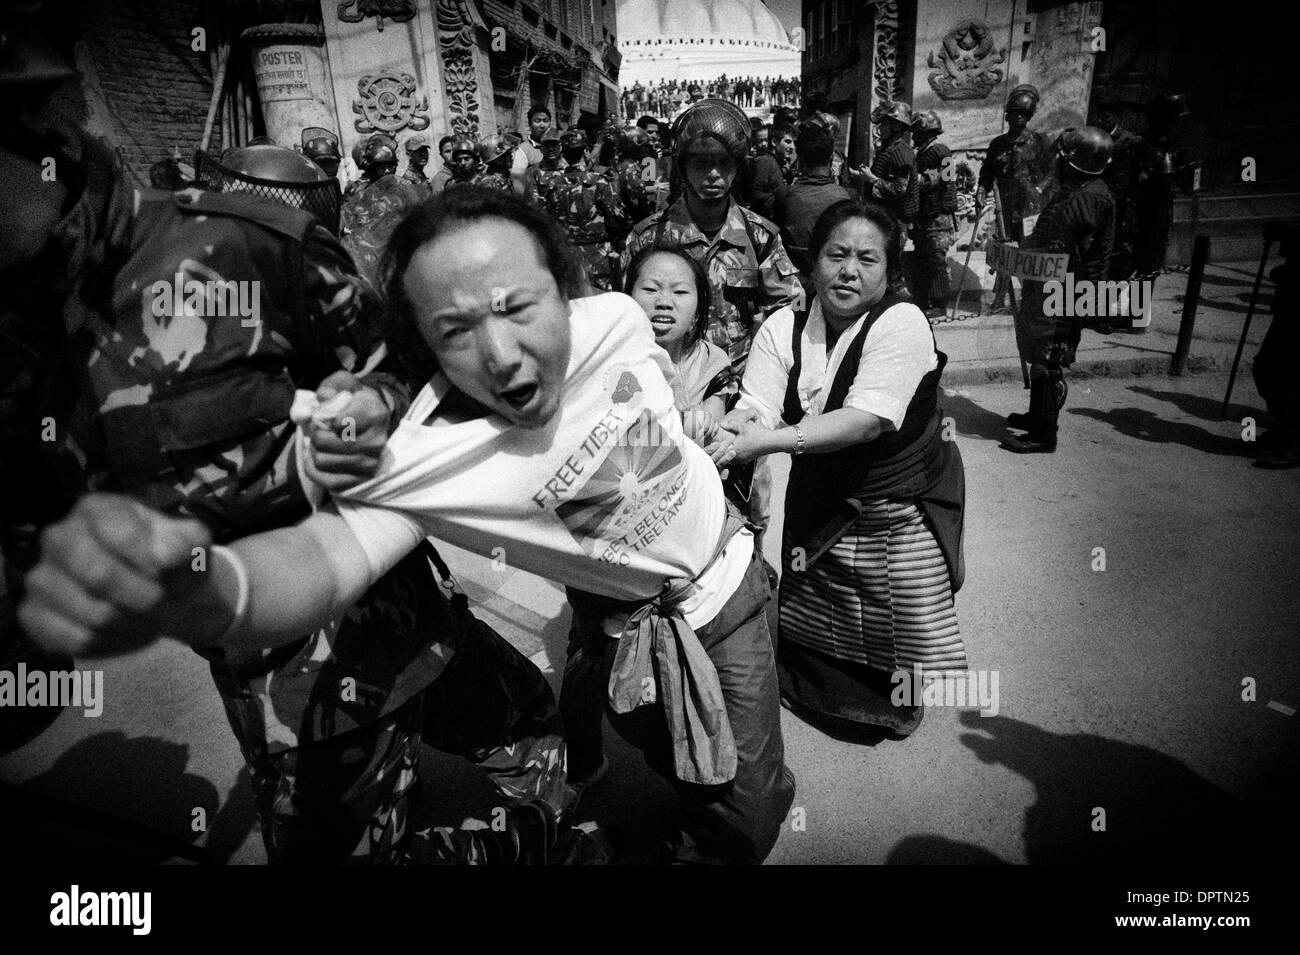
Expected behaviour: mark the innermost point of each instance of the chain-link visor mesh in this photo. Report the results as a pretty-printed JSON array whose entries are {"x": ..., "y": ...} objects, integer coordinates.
[
  {"x": 718, "y": 119},
  {"x": 321, "y": 199}
]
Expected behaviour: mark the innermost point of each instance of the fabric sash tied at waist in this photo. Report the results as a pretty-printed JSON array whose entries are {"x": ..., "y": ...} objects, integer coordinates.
[{"x": 660, "y": 657}]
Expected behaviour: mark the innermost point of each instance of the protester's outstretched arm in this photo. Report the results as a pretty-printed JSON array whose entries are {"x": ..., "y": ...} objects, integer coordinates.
[
  {"x": 115, "y": 575},
  {"x": 823, "y": 433}
]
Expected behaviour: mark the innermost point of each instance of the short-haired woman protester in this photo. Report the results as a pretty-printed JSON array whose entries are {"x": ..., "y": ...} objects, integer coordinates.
[
  {"x": 672, "y": 289},
  {"x": 872, "y": 548},
  {"x": 546, "y": 434}
]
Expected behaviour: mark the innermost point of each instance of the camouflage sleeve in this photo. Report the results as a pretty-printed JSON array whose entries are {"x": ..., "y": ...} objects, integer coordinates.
[
  {"x": 611, "y": 207},
  {"x": 781, "y": 285},
  {"x": 344, "y": 313},
  {"x": 636, "y": 241}
]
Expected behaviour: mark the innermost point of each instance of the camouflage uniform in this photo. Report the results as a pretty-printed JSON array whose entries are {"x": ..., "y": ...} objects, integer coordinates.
[
  {"x": 631, "y": 185},
  {"x": 547, "y": 180},
  {"x": 585, "y": 203},
  {"x": 418, "y": 182},
  {"x": 750, "y": 274},
  {"x": 493, "y": 180},
  {"x": 189, "y": 413},
  {"x": 369, "y": 217}
]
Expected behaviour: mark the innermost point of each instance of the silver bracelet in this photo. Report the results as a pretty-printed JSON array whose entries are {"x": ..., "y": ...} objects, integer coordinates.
[
  {"x": 242, "y": 595},
  {"x": 798, "y": 440}
]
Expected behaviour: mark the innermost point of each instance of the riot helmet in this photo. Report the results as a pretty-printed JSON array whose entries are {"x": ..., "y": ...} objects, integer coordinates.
[
  {"x": 1086, "y": 149},
  {"x": 927, "y": 123},
  {"x": 716, "y": 119},
  {"x": 274, "y": 174},
  {"x": 493, "y": 147}
]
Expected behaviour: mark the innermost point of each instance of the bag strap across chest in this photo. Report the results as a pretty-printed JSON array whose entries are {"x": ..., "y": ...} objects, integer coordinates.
[{"x": 793, "y": 411}]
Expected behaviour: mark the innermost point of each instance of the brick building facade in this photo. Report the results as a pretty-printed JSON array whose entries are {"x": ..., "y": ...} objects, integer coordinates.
[{"x": 147, "y": 83}]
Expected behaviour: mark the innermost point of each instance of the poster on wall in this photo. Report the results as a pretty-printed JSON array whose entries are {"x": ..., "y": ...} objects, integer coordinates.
[{"x": 281, "y": 73}]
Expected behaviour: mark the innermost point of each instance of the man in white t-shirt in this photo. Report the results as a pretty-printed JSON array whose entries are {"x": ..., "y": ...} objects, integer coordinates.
[{"x": 547, "y": 436}]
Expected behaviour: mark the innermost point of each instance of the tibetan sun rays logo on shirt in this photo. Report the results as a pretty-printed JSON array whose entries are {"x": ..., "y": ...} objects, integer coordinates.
[
  {"x": 640, "y": 466},
  {"x": 635, "y": 470}
]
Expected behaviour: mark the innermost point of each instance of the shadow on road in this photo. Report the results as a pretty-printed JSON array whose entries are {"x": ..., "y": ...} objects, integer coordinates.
[
  {"x": 1240, "y": 306},
  {"x": 1148, "y": 426},
  {"x": 237, "y": 818},
  {"x": 940, "y": 850},
  {"x": 1198, "y": 406},
  {"x": 1155, "y": 808},
  {"x": 1211, "y": 278},
  {"x": 973, "y": 420},
  {"x": 112, "y": 799}
]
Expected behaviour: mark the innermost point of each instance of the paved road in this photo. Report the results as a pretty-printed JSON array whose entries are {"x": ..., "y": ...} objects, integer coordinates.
[{"x": 1119, "y": 690}]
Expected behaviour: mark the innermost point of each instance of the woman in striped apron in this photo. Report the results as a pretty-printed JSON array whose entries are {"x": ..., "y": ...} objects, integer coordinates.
[{"x": 872, "y": 548}]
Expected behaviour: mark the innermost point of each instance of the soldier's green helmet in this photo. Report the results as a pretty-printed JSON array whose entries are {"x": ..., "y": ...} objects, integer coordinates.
[
  {"x": 927, "y": 122},
  {"x": 892, "y": 109},
  {"x": 322, "y": 147},
  {"x": 380, "y": 150},
  {"x": 464, "y": 144},
  {"x": 493, "y": 147},
  {"x": 1023, "y": 99},
  {"x": 717, "y": 119},
  {"x": 1086, "y": 148},
  {"x": 274, "y": 174}
]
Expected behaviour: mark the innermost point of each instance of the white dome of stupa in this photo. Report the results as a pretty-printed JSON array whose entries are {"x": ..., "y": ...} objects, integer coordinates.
[{"x": 702, "y": 39}]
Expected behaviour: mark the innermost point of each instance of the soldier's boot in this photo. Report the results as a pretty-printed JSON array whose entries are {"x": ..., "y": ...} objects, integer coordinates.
[
  {"x": 530, "y": 835},
  {"x": 1041, "y": 434},
  {"x": 1025, "y": 421},
  {"x": 1056, "y": 393}
]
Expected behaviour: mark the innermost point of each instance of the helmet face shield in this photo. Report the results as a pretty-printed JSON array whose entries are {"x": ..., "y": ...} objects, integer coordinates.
[
  {"x": 719, "y": 120},
  {"x": 272, "y": 174}
]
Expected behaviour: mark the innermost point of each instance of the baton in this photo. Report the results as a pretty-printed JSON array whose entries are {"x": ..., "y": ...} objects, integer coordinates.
[{"x": 1002, "y": 276}]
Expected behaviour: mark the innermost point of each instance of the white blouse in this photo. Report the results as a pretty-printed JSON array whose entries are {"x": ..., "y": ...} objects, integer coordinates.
[{"x": 897, "y": 354}]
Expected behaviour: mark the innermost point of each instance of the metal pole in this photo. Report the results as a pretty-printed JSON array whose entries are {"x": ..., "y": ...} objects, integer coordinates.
[
  {"x": 1250, "y": 313},
  {"x": 961, "y": 279},
  {"x": 1191, "y": 299},
  {"x": 218, "y": 85}
]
